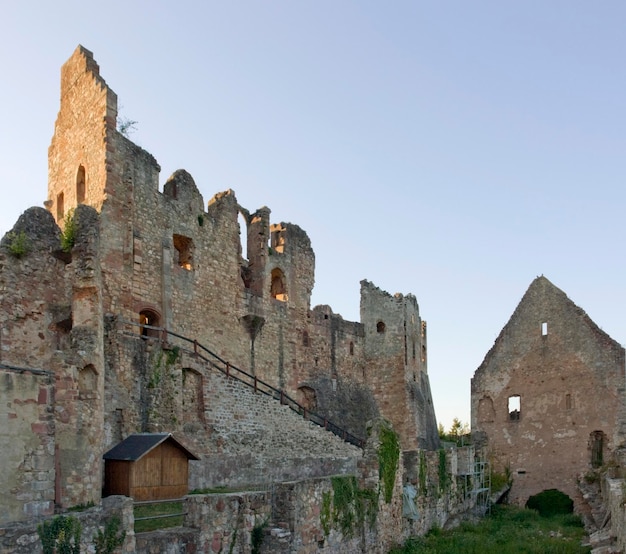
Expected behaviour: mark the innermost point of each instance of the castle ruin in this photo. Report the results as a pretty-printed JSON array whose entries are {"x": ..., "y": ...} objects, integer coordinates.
[{"x": 100, "y": 339}]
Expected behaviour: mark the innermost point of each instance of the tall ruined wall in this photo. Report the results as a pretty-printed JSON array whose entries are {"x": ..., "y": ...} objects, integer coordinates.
[
  {"x": 548, "y": 394},
  {"x": 168, "y": 260},
  {"x": 395, "y": 349},
  {"x": 52, "y": 320},
  {"x": 77, "y": 168}
]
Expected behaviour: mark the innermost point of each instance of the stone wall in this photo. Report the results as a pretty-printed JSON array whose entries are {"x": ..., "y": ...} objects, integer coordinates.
[
  {"x": 188, "y": 273},
  {"x": 166, "y": 259},
  {"x": 23, "y": 537},
  {"x": 305, "y": 516},
  {"x": 27, "y": 428},
  {"x": 568, "y": 376}
]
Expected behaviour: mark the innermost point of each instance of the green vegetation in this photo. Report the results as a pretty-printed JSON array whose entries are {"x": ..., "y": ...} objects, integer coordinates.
[
  {"x": 108, "y": 540},
  {"x": 18, "y": 244},
  {"x": 60, "y": 535},
  {"x": 499, "y": 481},
  {"x": 158, "y": 509},
  {"x": 443, "y": 473},
  {"x": 349, "y": 506},
  {"x": 223, "y": 490},
  {"x": 126, "y": 126},
  {"x": 172, "y": 355},
  {"x": 423, "y": 489},
  {"x": 388, "y": 456},
  {"x": 508, "y": 530},
  {"x": 459, "y": 433},
  {"x": 257, "y": 535},
  {"x": 81, "y": 507},
  {"x": 551, "y": 502},
  {"x": 68, "y": 237}
]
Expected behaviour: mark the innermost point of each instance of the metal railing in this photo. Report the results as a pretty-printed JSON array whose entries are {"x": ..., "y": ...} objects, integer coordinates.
[
  {"x": 145, "y": 527},
  {"x": 213, "y": 360}
]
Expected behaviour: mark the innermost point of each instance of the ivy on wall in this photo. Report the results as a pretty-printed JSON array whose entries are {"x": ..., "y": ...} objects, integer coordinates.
[
  {"x": 423, "y": 474},
  {"x": 388, "y": 456},
  {"x": 443, "y": 474},
  {"x": 348, "y": 506}
]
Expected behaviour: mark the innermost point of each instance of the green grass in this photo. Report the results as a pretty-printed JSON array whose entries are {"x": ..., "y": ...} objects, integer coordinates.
[
  {"x": 147, "y": 510},
  {"x": 508, "y": 530}
]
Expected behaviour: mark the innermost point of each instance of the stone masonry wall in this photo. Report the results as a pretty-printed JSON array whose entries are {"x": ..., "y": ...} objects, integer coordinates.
[
  {"x": 27, "y": 456},
  {"x": 188, "y": 272},
  {"x": 23, "y": 538},
  {"x": 568, "y": 376},
  {"x": 168, "y": 259}
]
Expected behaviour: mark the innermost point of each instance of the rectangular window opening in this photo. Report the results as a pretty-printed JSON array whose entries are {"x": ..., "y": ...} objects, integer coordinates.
[
  {"x": 514, "y": 406},
  {"x": 544, "y": 328}
]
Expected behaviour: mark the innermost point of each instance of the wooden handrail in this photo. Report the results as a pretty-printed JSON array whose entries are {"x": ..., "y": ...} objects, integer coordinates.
[{"x": 246, "y": 378}]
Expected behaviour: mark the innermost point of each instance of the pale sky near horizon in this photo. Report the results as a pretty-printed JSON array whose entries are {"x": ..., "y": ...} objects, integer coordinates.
[{"x": 451, "y": 150}]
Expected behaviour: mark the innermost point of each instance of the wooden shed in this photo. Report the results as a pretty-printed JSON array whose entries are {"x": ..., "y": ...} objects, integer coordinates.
[{"x": 147, "y": 466}]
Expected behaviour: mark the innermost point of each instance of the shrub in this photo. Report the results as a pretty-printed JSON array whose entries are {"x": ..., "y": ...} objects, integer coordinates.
[
  {"x": 69, "y": 232},
  {"x": 551, "y": 502},
  {"x": 61, "y": 535},
  {"x": 18, "y": 244}
]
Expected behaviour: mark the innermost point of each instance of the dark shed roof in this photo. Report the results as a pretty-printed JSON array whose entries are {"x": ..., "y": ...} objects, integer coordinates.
[{"x": 134, "y": 447}]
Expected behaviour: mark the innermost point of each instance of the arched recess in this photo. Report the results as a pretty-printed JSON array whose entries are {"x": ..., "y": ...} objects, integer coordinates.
[
  {"x": 307, "y": 397},
  {"x": 81, "y": 187},
  {"x": 486, "y": 411},
  {"x": 193, "y": 398},
  {"x": 380, "y": 327},
  {"x": 278, "y": 288},
  {"x": 87, "y": 382},
  {"x": 149, "y": 318},
  {"x": 596, "y": 445}
]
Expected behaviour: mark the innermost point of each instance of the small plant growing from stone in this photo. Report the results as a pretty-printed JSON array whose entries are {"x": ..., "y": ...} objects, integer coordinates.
[
  {"x": 257, "y": 535},
  {"x": 108, "y": 540},
  {"x": 61, "y": 535},
  {"x": 68, "y": 237},
  {"x": 125, "y": 125},
  {"x": 18, "y": 244}
]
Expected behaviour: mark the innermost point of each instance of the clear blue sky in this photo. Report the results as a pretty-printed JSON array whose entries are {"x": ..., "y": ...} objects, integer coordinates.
[{"x": 453, "y": 150}]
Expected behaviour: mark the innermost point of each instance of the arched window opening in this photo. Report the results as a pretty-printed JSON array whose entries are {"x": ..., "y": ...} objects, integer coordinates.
[
  {"x": 306, "y": 341},
  {"x": 60, "y": 207},
  {"x": 80, "y": 185},
  {"x": 278, "y": 290},
  {"x": 351, "y": 349},
  {"x": 184, "y": 247},
  {"x": 515, "y": 407},
  {"x": 380, "y": 327},
  {"x": 149, "y": 321},
  {"x": 597, "y": 447}
]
